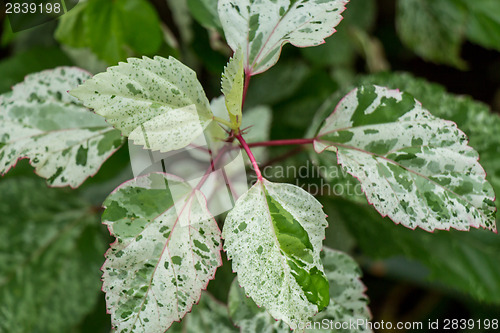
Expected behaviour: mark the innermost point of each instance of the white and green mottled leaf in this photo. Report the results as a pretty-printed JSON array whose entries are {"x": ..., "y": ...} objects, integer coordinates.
[
  {"x": 158, "y": 103},
  {"x": 50, "y": 252},
  {"x": 167, "y": 250},
  {"x": 248, "y": 316},
  {"x": 209, "y": 315},
  {"x": 261, "y": 27},
  {"x": 347, "y": 301},
  {"x": 273, "y": 236},
  {"x": 413, "y": 167},
  {"x": 65, "y": 142},
  {"x": 475, "y": 118},
  {"x": 232, "y": 87}
]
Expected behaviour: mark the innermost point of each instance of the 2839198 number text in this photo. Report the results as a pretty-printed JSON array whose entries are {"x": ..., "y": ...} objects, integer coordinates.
[{"x": 33, "y": 8}]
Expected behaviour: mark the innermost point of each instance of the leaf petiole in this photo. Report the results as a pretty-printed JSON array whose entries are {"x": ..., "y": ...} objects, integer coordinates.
[
  {"x": 245, "y": 146},
  {"x": 245, "y": 87},
  {"x": 287, "y": 142}
]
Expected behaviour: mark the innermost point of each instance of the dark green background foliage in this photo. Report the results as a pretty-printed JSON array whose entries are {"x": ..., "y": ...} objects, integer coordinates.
[{"x": 52, "y": 242}]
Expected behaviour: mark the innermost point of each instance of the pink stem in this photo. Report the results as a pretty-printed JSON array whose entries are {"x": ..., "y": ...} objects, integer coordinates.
[
  {"x": 281, "y": 142},
  {"x": 210, "y": 168},
  {"x": 250, "y": 156},
  {"x": 245, "y": 87},
  {"x": 208, "y": 151}
]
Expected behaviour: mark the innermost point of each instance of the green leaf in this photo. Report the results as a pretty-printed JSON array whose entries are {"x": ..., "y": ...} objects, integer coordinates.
[
  {"x": 260, "y": 28},
  {"x": 289, "y": 75},
  {"x": 205, "y": 12},
  {"x": 433, "y": 29},
  {"x": 7, "y": 35},
  {"x": 347, "y": 301},
  {"x": 71, "y": 29},
  {"x": 50, "y": 253},
  {"x": 232, "y": 88},
  {"x": 340, "y": 49},
  {"x": 483, "y": 22},
  {"x": 274, "y": 236},
  {"x": 209, "y": 315},
  {"x": 65, "y": 142},
  {"x": 474, "y": 118},
  {"x": 158, "y": 103},
  {"x": 112, "y": 29},
  {"x": 413, "y": 167},
  {"x": 167, "y": 250},
  {"x": 463, "y": 261}
]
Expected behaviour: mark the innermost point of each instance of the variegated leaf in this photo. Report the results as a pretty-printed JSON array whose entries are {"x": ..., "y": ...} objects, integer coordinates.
[
  {"x": 65, "y": 142},
  {"x": 347, "y": 302},
  {"x": 232, "y": 87},
  {"x": 167, "y": 249},
  {"x": 261, "y": 27},
  {"x": 209, "y": 315},
  {"x": 413, "y": 167},
  {"x": 248, "y": 316},
  {"x": 474, "y": 118},
  {"x": 50, "y": 252},
  {"x": 158, "y": 103},
  {"x": 274, "y": 236}
]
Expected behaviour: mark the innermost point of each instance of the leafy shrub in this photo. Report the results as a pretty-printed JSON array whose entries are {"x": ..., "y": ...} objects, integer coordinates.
[{"x": 387, "y": 140}]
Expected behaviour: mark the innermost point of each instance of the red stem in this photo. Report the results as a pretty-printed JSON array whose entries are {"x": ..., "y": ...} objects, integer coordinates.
[
  {"x": 245, "y": 88},
  {"x": 211, "y": 168},
  {"x": 282, "y": 142},
  {"x": 240, "y": 138},
  {"x": 250, "y": 156}
]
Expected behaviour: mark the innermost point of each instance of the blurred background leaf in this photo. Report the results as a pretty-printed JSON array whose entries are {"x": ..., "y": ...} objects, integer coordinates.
[
  {"x": 205, "y": 12},
  {"x": 436, "y": 29},
  {"x": 114, "y": 30},
  {"x": 483, "y": 22},
  {"x": 433, "y": 29},
  {"x": 50, "y": 255}
]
